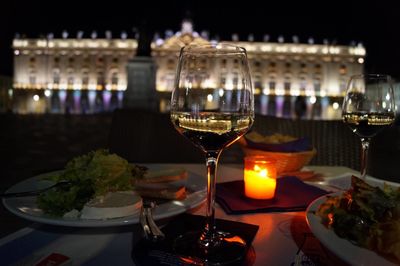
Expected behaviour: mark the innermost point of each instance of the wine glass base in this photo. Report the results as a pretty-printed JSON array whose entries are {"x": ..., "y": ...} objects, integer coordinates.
[{"x": 226, "y": 249}]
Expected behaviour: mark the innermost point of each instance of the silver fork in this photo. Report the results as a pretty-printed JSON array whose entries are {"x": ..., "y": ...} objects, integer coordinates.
[
  {"x": 35, "y": 192},
  {"x": 151, "y": 231}
]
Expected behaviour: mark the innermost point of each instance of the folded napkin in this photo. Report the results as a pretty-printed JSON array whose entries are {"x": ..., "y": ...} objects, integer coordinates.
[
  {"x": 291, "y": 194},
  {"x": 162, "y": 253},
  {"x": 298, "y": 145}
]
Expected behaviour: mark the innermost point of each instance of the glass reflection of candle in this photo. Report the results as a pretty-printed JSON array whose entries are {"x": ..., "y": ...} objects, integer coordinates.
[{"x": 259, "y": 177}]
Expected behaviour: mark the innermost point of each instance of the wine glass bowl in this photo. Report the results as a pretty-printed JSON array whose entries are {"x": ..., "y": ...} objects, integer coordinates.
[
  {"x": 368, "y": 107},
  {"x": 212, "y": 105}
]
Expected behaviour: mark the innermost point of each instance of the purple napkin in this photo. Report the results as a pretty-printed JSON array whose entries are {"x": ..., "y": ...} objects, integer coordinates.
[
  {"x": 291, "y": 194},
  {"x": 301, "y": 144}
]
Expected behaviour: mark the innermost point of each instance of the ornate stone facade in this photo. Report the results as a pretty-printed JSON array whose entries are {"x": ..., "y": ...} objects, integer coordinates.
[{"x": 89, "y": 75}]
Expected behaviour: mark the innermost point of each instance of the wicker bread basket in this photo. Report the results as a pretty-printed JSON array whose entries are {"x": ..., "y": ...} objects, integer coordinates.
[{"x": 285, "y": 161}]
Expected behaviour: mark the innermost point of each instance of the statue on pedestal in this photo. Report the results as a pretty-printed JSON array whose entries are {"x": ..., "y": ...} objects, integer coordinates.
[{"x": 141, "y": 71}]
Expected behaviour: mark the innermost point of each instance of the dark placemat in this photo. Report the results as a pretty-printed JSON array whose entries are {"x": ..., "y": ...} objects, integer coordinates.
[
  {"x": 291, "y": 194},
  {"x": 161, "y": 253}
]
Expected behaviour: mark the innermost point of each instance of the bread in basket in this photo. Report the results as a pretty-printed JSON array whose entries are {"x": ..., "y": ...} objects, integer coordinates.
[{"x": 289, "y": 153}]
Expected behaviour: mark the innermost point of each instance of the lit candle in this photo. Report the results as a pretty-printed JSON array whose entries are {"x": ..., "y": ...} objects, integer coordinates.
[{"x": 259, "y": 177}]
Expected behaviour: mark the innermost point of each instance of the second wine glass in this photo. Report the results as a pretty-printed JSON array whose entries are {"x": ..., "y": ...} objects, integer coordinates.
[
  {"x": 368, "y": 107},
  {"x": 212, "y": 105}
]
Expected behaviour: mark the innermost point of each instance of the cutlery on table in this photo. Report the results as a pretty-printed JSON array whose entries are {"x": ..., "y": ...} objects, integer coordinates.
[
  {"x": 35, "y": 192},
  {"x": 151, "y": 231}
]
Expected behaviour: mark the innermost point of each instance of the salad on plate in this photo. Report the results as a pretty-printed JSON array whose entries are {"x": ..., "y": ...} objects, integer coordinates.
[{"x": 367, "y": 216}]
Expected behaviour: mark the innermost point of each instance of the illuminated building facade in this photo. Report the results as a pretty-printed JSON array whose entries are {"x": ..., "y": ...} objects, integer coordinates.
[{"x": 89, "y": 75}]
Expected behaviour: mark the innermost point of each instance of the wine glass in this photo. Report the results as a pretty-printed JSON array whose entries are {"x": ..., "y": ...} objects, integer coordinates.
[
  {"x": 368, "y": 107},
  {"x": 212, "y": 105}
]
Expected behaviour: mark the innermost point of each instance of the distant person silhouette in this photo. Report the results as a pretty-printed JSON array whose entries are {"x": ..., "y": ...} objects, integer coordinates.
[{"x": 300, "y": 107}]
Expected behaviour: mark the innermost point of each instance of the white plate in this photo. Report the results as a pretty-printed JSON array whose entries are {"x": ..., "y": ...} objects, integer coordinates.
[
  {"x": 344, "y": 249},
  {"x": 25, "y": 207}
]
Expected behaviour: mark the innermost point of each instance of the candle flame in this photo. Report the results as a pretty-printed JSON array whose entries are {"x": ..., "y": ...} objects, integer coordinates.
[{"x": 262, "y": 172}]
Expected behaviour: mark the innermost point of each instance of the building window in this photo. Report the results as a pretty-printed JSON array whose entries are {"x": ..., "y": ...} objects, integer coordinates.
[
  {"x": 171, "y": 64},
  {"x": 342, "y": 84},
  {"x": 32, "y": 62},
  {"x": 343, "y": 70},
  {"x": 257, "y": 64},
  {"x": 56, "y": 76},
  {"x": 203, "y": 63},
  {"x": 100, "y": 78},
  {"x": 272, "y": 85},
  {"x": 303, "y": 84},
  {"x": 56, "y": 60},
  {"x": 100, "y": 61},
  {"x": 272, "y": 65},
  {"x": 85, "y": 78},
  {"x": 317, "y": 86},
  {"x": 223, "y": 81},
  {"x": 86, "y": 60},
  {"x": 32, "y": 77},
  {"x": 114, "y": 78},
  {"x": 257, "y": 82},
  {"x": 223, "y": 63},
  {"x": 287, "y": 86},
  {"x": 318, "y": 68},
  {"x": 70, "y": 80},
  {"x": 235, "y": 63},
  {"x": 235, "y": 79},
  {"x": 169, "y": 81}
]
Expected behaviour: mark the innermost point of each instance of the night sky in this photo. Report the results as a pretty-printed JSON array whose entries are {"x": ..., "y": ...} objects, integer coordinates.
[{"x": 341, "y": 22}]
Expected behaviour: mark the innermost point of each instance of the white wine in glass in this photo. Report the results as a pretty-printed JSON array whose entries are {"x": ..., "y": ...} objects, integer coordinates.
[
  {"x": 368, "y": 107},
  {"x": 213, "y": 108}
]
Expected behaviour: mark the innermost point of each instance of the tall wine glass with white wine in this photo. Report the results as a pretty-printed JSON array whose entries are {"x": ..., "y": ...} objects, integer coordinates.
[
  {"x": 212, "y": 105},
  {"x": 368, "y": 107}
]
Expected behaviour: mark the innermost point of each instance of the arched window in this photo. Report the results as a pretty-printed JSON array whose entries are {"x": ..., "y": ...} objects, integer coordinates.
[
  {"x": 100, "y": 78},
  {"x": 303, "y": 84},
  {"x": 70, "y": 77}
]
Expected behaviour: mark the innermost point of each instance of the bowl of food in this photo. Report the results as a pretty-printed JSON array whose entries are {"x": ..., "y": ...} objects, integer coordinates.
[{"x": 290, "y": 153}]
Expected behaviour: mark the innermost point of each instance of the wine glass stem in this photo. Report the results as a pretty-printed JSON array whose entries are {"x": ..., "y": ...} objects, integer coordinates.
[
  {"x": 364, "y": 156},
  {"x": 208, "y": 236}
]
